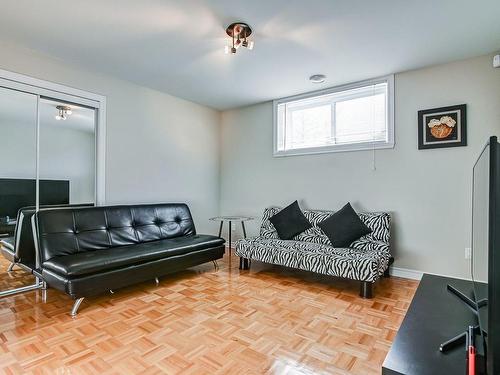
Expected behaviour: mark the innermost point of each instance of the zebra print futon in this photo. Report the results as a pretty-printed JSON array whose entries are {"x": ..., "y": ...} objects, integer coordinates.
[{"x": 365, "y": 259}]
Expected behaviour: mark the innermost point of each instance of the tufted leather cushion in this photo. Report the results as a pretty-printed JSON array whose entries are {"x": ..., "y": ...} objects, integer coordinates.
[
  {"x": 73, "y": 231},
  {"x": 98, "y": 261}
]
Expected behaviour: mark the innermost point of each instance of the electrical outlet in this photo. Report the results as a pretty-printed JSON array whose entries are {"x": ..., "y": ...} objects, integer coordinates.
[{"x": 467, "y": 253}]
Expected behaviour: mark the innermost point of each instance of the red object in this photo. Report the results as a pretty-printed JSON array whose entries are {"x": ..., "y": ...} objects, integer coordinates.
[{"x": 472, "y": 361}]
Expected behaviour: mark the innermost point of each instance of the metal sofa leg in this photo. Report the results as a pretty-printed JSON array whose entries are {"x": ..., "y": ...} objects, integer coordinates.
[
  {"x": 11, "y": 266},
  {"x": 76, "y": 305},
  {"x": 22, "y": 289},
  {"x": 44, "y": 287},
  {"x": 37, "y": 285},
  {"x": 366, "y": 290}
]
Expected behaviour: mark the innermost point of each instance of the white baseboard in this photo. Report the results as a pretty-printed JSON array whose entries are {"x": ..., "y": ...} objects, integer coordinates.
[
  {"x": 405, "y": 273},
  {"x": 417, "y": 275}
]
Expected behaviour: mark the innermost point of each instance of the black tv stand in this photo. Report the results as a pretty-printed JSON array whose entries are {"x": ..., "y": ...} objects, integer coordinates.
[
  {"x": 466, "y": 299},
  {"x": 462, "y": 337},
  {"x": 435, "y": 314}
]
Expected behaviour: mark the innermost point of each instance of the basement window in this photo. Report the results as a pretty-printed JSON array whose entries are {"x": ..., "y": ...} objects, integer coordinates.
[{"x": 353, "y": 117}]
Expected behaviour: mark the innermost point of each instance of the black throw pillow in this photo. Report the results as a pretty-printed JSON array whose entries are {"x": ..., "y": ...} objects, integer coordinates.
[
  {"x": 344, "y": 227},
  {"x": 290, "y": 221}
]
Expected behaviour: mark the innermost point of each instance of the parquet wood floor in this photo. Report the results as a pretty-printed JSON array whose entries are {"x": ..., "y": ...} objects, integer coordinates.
[{"x": 200, "y": 321}]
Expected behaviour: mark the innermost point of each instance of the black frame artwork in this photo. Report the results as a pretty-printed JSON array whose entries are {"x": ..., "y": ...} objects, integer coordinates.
[{"x": 442, "y": 127}]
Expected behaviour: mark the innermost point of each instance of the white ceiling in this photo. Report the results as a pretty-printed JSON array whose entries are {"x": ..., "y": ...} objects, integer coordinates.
[{"x": 177, "y": 46}]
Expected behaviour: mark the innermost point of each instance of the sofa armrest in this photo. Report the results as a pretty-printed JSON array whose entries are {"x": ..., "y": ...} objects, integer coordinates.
[
  {"x": 371, "y": 246},
  {"x": 377, "y": 249},
  {"x": 244, "y": 246}
]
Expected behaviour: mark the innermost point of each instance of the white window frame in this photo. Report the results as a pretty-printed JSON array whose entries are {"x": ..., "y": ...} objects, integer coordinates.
[{"x": 370, "y": 145}]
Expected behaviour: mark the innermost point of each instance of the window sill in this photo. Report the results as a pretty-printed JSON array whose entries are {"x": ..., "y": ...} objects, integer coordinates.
[{"x": 332, "y": 149}]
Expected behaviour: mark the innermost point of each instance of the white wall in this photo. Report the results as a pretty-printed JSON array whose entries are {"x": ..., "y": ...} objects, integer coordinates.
[
  {"x": 159, "y": 148},
  {"x": 427, "y": 192}
]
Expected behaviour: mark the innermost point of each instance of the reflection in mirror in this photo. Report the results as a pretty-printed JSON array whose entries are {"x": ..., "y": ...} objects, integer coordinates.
[
  {"x": 18, "y": 111},
  {"x": 66, "y": 166},
  {"x": 18, "y": 125},
  {"x": 67, "y": 153}
]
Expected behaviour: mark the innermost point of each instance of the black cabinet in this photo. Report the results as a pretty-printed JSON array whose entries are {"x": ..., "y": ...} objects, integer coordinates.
[{"x": 435, "y": 315}]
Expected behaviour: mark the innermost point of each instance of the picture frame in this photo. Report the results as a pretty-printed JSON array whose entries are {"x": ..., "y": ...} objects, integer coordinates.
[{"x": 442, "y": 127}]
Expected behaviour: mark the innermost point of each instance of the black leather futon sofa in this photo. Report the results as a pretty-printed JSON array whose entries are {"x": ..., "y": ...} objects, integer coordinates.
[{"x": 87, "y": 251}]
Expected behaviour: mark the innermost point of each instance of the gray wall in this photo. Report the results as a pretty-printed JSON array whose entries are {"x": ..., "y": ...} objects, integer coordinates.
[
  {"x": 159, "y": 148},
  {"x": 427, "y": 192}
]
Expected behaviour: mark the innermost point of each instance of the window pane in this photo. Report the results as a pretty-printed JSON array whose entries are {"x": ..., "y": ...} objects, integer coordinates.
[
  {"x": 361, "y": 120},
  {"x": 309, "y": 127},
  {"x": 280, "y": 131},
  {"x": 334, "y": 120}
]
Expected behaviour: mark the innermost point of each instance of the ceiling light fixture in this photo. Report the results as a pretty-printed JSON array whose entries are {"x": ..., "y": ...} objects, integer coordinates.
[
  {"x": 317, "y": 78},
  {"x": 63, "y": 112},
  {"x": 239, "y": 33}
]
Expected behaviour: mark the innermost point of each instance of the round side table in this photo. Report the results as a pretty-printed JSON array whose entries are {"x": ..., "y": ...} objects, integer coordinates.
[{"x": 229, "y": 220}]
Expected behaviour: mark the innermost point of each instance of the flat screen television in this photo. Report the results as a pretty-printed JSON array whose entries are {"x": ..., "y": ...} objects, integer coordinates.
[
  {"x": 16, "y": 193},
  {"x": 486, "y": 250}
]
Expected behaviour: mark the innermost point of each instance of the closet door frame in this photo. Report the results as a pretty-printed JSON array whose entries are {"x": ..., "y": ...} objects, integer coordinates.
[{"x": 46, "y": 89}]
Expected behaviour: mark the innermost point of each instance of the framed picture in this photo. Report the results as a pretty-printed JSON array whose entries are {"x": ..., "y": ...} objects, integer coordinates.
[{"x": 442, "y": 127}]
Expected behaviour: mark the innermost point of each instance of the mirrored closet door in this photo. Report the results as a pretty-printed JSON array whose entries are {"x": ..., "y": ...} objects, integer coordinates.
[
  {"x": 51, "y": 154},
  {"x": 18, "y": 130},
  {"x": 67, "y": 153}
]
